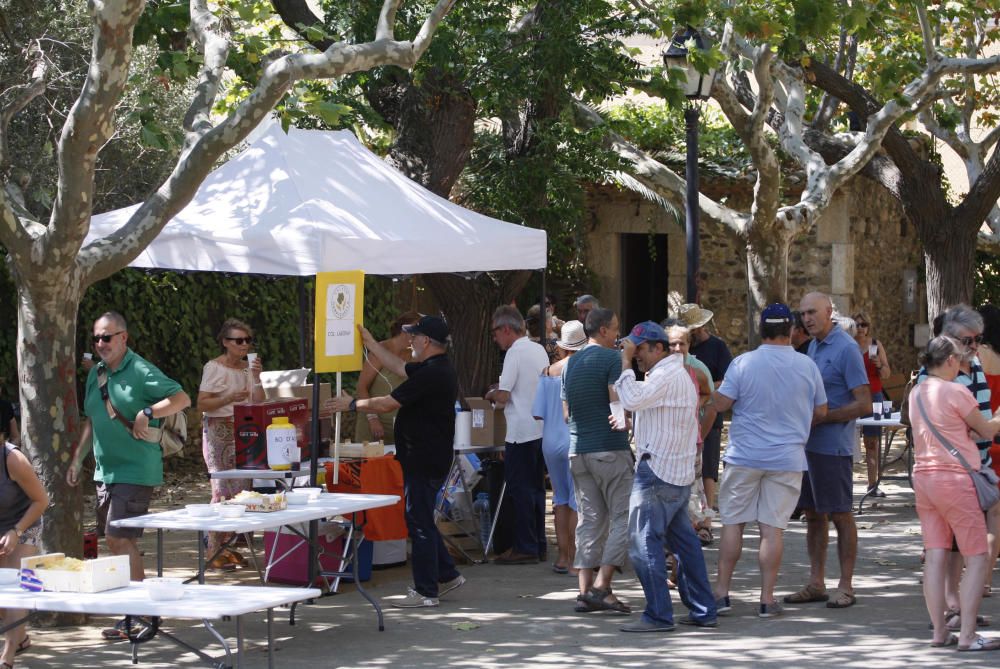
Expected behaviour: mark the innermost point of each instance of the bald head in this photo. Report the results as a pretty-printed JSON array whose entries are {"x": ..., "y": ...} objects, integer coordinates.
[{"x": 817, "y": 314}]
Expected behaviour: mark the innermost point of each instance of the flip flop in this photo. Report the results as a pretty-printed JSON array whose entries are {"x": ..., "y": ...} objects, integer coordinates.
[
  {"x": 810, "y": 593},
  {"x": 23, "y": 646},
  {"x": 952, "y": 640},
  {"x": 981, "y": 643},
  {"x": 841, "y": 599}
]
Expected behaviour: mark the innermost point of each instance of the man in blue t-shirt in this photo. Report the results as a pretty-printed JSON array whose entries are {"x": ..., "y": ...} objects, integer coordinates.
[
  {"x": 776, "y": 395},
  {"x": 828, "y": 487},
  {"x": 600, "y": 461}
]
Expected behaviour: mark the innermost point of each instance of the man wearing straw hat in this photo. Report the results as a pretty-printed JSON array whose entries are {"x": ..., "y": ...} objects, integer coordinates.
[{"x": 714, "y": 353}]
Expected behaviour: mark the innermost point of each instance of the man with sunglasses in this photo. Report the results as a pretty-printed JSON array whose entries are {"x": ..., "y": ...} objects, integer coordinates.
[
  {"x": 123, "y": 388},
  {"x": 425, "y": 432}
]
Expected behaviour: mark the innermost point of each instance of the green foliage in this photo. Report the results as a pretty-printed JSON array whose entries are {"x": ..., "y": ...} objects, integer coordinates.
[{"x": 986, "y": 286}]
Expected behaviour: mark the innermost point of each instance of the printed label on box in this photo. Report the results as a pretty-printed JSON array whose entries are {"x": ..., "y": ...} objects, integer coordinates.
[{"x": 478, "y": 419}]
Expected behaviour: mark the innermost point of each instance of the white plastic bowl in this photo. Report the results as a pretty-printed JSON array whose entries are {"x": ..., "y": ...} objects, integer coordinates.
[
  {"x": 297, "y": 497},
  {"x": 314, "y": 493},
  {"x": 232, "y": 510},
  {"x": 164, "y": 589},
  {"x": 10, "y": 576},
  {"x": 200, "y": 510}
]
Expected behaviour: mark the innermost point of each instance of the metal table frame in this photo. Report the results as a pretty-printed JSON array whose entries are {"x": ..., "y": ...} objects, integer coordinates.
[{"x": 890, "y": 427}]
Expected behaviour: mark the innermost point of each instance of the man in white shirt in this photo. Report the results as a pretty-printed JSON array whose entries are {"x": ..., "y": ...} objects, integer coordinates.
[
  {"x": 524, "y": 466},
  {"x": 666, "y": 442}
]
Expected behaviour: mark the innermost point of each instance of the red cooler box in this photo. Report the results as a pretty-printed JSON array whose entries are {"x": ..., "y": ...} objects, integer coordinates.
[
  {"x": 292, "y": 555},
  {"x": 250, "y": 423}
]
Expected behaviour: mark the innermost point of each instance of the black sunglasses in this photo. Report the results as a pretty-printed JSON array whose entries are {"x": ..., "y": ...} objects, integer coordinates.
[
  {"x": 967, "y": 341},
  {"x": 240, "y": 340},
  {"x": 862, "y": 325},
  {"x": 106, "y": 338}
]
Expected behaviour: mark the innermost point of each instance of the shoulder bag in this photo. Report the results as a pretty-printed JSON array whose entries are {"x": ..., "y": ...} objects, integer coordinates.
[
  {"x": 171, "y": 435},
  {"x": 984, "y": 479}
]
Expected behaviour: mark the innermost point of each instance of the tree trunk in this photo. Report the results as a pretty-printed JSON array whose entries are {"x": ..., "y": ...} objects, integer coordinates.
[
  {"x": 767, "y": 275},
  {"x": 46, "y": 365},
  {"x": 950, "y": 260},
  {"x": 468, "y": 305}
]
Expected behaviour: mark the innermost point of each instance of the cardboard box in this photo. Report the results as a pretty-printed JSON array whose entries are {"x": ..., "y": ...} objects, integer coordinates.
[
  {"x": 489, "y": 427},
  {"x": 301, "y": 392},
  {"x": 98, "y": 575},
  {"x": 250, "y": 423}
]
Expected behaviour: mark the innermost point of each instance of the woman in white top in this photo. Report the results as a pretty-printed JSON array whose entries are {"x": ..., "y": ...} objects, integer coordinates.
[{"x": 226, "y": 380}]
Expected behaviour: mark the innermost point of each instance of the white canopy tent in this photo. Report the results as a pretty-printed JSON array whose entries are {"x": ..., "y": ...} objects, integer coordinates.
[{"x": 318, "y": 201}]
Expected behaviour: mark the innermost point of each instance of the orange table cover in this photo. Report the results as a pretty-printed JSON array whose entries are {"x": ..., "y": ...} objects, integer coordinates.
[{"x": 377, "y": 476}]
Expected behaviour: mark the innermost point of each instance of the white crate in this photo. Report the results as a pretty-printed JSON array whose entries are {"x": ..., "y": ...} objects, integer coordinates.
[{"x": 96, "y": 575}]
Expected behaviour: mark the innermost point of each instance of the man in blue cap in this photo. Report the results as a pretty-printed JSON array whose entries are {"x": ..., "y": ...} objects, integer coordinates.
[
  {"x": 775, "y": 395},
  {"x": 666, "y": 443}
]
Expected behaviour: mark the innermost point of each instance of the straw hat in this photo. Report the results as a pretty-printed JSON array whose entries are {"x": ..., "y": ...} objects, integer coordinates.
[
  {"x": 572, "y": 337},
  {"x": 693, "y": 316}
]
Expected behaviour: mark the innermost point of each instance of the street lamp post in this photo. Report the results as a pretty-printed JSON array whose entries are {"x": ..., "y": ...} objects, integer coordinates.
[{"x": 697, "y": 88}]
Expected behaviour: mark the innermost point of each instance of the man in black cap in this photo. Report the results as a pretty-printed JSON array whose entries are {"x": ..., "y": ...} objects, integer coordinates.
[{"x": 425, "y": 432}]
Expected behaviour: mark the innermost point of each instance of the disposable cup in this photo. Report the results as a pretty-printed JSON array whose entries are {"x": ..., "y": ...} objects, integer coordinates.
[
  {"x": 618, "y": 411},
  {"x": 877, "y": 410}
]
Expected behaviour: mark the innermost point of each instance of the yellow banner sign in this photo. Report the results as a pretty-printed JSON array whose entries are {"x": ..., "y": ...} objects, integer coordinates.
[{"x": 340, "y": 299}]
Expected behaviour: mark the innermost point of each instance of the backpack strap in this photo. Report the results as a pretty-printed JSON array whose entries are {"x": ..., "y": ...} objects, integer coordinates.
[{"x": 102, "y": 382}]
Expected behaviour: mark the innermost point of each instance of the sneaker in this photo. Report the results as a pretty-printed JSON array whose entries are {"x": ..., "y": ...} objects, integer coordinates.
[
  {"x": 770, "y": 610},
  {"x": 723, "y": 606},
  {"x": 512, "y": 557},
  {"x": 695, "y": 622},
  {"x": 413, "y": 600},
  {"x": 448, "y": 586}
]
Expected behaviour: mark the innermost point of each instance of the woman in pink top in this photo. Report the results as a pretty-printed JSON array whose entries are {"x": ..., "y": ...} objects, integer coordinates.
[{"x": 946, "y": 499}]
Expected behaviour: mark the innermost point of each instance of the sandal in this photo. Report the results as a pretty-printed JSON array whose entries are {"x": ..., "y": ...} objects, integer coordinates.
[
  {"x": 953, "y": 620},
  {"x": 810, "y": 593},
  {"x": 234, "y": 558},
  {"x": 599, "y": 598},
  {"x": 583, "y": 606},
  {"x": 221, "y": 563},
  {"x": 951, "y": 640},
  {"x": 705, "y": 536},
  {"x": 841, "y": 599},
  {"x": 981, "y": 643},
  {"x": 560, "y": 569},
  {"x": 23, "y": 646}
]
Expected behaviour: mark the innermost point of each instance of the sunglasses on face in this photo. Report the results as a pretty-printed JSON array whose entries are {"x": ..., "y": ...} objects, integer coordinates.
[
  {"x": 240, "y": 340},
  {"x": 862, "y": 325},
  {"x": 968, "y": 341},
  {"x": 106, "y": 338}
]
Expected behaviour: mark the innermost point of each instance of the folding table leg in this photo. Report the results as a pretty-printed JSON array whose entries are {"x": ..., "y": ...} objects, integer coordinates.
[{"x": 270, "y": 639}]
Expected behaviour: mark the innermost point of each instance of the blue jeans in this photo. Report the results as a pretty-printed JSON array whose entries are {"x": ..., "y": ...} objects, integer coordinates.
[
  {"x": 430, "y": 561},
  {"x": 524, "y": 473},
  {"x": 657, "y": 519}
]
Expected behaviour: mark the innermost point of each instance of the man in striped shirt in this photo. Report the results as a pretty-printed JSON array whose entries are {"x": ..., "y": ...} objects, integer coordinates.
[{"x": 665, "y": 405}]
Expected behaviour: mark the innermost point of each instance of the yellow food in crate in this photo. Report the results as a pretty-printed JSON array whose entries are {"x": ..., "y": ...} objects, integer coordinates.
[
  {"x": 259, "y": 502},
  {"x": 57, "y": 573}
]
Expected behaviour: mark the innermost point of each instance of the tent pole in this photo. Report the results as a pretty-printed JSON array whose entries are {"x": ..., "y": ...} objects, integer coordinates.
[
  {"x": 336, "y": 439},
  {"x": 544, "y": 316},
  {"x": 302, "y": 322}
]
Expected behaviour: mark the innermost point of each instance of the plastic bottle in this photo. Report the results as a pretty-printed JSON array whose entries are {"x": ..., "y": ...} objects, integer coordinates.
[
  {"x": 282, "y": 445},
  {"x": 482, "y": 509}
]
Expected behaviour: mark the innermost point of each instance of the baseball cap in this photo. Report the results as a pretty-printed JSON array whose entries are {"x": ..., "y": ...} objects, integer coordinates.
[
  {"x": 432, "y": 326},
  {"x": 647, "y": 331},
  {"x": 776, "y": 313}
]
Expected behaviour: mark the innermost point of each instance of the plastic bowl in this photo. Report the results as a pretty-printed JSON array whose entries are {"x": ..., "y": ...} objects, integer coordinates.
[
  {"x": 200, "y": 510},
  {"x": 164, "y": 589},
  {"x": 297, "y": 497},
  {"x": 314, "y": 493},
  {"x": 10, "y": 576},
  {"x": 232, "y": 510}
]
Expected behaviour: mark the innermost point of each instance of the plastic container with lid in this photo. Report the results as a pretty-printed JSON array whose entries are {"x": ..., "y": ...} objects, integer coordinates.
[{"x": 282, "y": 445}]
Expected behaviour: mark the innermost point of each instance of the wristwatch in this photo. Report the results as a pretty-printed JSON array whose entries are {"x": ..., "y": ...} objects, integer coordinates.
[{"x": 148, "y": 412}]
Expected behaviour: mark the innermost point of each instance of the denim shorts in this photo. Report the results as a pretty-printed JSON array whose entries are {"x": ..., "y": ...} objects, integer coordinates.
[{"x": 828, "y": 485}]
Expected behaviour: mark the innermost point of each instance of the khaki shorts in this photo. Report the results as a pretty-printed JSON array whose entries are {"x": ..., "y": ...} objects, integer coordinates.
[
  {"x": 747, "y": 495},
  {"x": 119, "y": 501}
]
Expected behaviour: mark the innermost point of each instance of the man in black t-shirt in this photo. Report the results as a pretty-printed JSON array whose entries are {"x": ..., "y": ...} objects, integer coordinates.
[{"x": 425, "y": 432}]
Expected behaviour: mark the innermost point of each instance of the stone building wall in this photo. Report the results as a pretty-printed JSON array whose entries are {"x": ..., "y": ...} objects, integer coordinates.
[{"x": 858, "y": 253}]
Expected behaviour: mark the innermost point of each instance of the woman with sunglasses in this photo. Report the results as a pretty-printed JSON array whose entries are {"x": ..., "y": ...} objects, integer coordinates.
[
  {"x": 226, "y": 380},
  {"x": 877, "y": 367}
]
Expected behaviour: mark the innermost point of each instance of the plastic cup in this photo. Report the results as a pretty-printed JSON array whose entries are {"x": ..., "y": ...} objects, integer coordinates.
[
  {"x": 88, "y": 356},
  {"x": 251, "y": 358},
  {"x": 877, "y": 410},
  {"x": 618, "y": 411},
  {"x": 873, "y": 351},
  {"x": 887, "y": 409}
]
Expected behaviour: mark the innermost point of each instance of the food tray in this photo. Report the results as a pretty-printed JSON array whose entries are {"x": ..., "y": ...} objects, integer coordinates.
[{"x": 106, "y": 573}]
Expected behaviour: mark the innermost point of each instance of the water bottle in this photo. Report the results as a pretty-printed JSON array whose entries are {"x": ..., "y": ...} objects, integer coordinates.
[
  {"x": 481, "y": 507},
  {"x": 458, "y": 407}
]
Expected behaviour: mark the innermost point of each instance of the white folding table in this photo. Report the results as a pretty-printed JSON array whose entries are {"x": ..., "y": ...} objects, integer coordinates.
[
  {"x": 890, "y": 426},
  {"x": 207, "y": 603},
  {"x": 326, "y": 506}
]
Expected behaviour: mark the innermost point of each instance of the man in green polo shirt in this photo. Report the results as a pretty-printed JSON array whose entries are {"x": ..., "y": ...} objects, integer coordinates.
[{"x": 128, "y": 466}]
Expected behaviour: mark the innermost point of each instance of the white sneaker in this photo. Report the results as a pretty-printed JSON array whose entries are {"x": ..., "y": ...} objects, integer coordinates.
[
  {"x": 448, "y": 586},
  {"x": 412, "y": 600}
]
